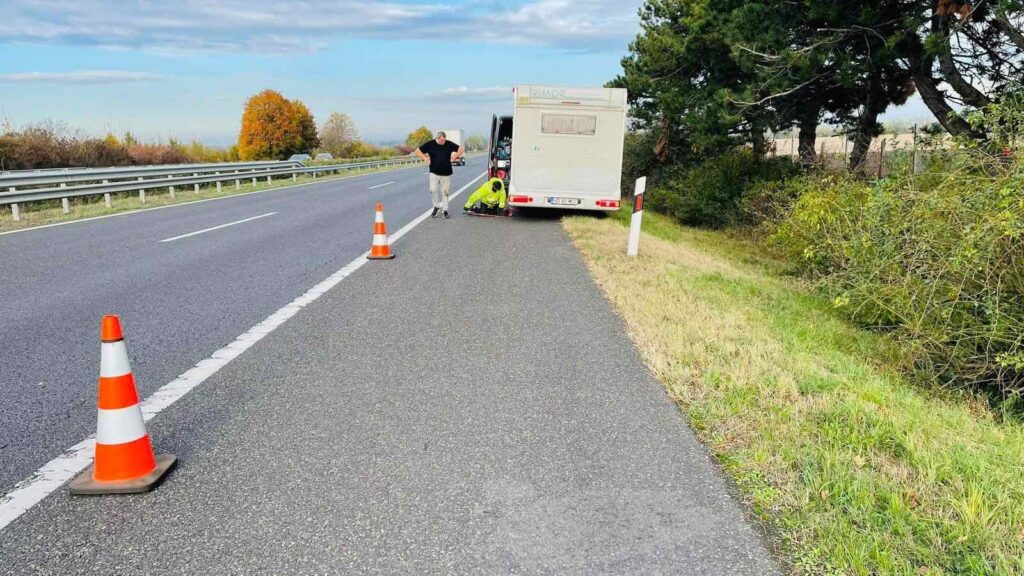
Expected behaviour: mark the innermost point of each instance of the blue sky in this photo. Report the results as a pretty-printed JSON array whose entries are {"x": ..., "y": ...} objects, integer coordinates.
[{"x": 184, "y": 69}]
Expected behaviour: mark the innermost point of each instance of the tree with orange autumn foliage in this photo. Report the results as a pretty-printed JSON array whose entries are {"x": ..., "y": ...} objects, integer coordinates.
[{"x": 275, "y": 127}]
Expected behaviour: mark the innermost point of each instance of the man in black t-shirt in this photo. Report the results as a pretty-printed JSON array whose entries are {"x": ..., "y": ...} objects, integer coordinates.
[{"x": 439, "y": 154}]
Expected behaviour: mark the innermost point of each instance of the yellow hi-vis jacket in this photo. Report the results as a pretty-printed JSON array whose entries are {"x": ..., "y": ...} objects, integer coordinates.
[{"x": 486, "y": 196}]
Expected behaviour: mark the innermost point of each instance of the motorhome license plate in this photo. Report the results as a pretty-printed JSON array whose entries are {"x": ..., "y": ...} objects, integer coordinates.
[{"x": 564, "y": 201}]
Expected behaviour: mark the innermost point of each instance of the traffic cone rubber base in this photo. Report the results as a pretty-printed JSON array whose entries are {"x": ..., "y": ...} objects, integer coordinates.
[
  {"x": 388, "y": 257},
  {"x": 85, "y": 484}
]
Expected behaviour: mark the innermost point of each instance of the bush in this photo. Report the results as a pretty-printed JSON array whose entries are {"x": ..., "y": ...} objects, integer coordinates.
[
  {"x": 53, "y": 145},
  {"x": 143, "y": 154},
  {"x": 711, "y": 193},
  {"x": 638, "y": 159},
  {"x": 937, "y": 259}
]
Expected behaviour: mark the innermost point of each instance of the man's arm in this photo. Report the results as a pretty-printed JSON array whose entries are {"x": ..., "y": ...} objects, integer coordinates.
[
  {"x": 422, "y": 156},
  {"x": 461, "y": 152}
]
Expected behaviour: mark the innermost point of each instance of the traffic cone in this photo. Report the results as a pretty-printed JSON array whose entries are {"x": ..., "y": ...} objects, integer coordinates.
[
  {"x": 124, "y": 456},
  {"x": 380, "y": 249}
]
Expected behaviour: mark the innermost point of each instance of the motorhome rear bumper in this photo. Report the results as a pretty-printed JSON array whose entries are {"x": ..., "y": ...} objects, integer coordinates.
[{"x": 566, "y": 202}]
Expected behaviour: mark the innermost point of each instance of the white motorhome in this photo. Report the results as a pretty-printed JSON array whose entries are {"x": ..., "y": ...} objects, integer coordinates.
[
  {"x": 456, "y": 136},
  {"x": 561, "y": 148}
]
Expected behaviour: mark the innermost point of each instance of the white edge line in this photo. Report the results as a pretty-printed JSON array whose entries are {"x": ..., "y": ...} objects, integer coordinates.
[
  {"x": 380, "y": 185},
  {"x": 197, "y": 232},
  {"x": 56, "y": 472},
  {"x": 191, "y": 202}
]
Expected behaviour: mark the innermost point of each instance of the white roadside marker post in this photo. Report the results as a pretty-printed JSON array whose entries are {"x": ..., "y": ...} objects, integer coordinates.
[{"x": 638, "y": 213}]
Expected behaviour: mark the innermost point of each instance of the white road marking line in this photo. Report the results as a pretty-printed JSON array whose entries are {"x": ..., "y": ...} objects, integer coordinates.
[
  {"x": 203, "y": 231},
  {"x": 380, "y": 185},
  {"x": 56, "y": 472},
  {"x": 191, "y": 202}
]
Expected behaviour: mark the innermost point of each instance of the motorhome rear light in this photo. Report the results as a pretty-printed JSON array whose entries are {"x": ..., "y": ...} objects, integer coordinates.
[
  {"x": 520, "y": 199},
  {"x": 607, "y": 203}
]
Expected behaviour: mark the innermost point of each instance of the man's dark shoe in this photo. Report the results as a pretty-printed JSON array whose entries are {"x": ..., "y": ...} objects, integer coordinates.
[
  {"x": 434, "y": 213},
  {"x": 445, "y": 213}
]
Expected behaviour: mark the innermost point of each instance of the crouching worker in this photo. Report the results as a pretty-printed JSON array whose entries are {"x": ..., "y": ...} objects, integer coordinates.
[{"x": 488, "y": 198}]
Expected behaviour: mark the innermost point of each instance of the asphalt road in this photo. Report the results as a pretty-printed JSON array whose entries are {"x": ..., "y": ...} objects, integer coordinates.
[
  {"x": 473, "y": 406},
  {"x": 179, "y": 301}
]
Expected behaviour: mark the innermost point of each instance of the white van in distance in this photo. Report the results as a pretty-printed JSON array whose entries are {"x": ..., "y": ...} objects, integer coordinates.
[
  {"x": 455, "y": 136},
  {"x": 566, "y": 147}
]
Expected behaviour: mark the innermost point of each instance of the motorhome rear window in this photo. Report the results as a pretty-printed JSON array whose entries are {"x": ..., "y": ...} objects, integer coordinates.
[{"x": 568, "y": 124}]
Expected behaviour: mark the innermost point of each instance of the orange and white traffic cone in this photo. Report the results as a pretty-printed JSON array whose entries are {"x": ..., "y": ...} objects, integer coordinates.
[
  {"x": 380, "y": 250},
  {"x": 124, "y": 456}
]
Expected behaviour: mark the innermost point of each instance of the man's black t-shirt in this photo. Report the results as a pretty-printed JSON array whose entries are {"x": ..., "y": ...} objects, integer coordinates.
[{"x": 440, "y": 156}]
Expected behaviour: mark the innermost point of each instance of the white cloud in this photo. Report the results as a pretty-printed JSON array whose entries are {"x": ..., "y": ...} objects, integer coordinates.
[
  {"x": 268, "y": 26},
  {"x": 78, "y": 77},
  {"x": 575, "y": 24},
  {"x": 467, "y": 91}
]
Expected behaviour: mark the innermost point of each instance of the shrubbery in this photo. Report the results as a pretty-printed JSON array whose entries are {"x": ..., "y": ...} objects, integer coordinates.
[
  {"x": 52, "y": 145},
  {"x": 712, "y": 193},
  {"x": 936, "y": 258}
]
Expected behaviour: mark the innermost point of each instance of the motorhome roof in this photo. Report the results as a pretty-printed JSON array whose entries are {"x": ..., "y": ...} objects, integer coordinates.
[{"x": 546, "y": 95}]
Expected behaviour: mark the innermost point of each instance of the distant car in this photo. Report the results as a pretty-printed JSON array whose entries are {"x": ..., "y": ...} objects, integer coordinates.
[
  {"x": 324, "y": 156},
  {"x": 299, "y": 158}
]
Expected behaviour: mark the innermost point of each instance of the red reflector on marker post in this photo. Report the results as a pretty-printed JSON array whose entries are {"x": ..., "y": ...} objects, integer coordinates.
[
  {"x": 607, "y": 203},
  {"x": 638, "y": 202},
  {"x": 520, "y": 199}
]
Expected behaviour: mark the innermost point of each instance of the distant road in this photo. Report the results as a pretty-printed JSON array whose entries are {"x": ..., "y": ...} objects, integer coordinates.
[{"x": 186, "y": 280}]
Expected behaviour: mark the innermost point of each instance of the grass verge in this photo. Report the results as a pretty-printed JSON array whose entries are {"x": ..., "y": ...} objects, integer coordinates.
[
  {"x": 857, "y": 470},
  {"x": 49, "y": 212}
]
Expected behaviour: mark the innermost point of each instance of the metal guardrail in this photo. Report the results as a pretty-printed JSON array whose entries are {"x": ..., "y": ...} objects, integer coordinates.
[
  {"x": 156, "y": 177},
  {"x": 75, "y": 175}
]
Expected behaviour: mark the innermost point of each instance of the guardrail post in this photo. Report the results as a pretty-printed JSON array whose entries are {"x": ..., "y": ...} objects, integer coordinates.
[
  {"x": 64, "y": 201},
  {"x": 294, "y": 176},
  {"x": 15, "y": 210},
  {"x": 268, "y": 179},
  {"x": 218, "y": 182},
  {"x": 314, "y": 175},
  {"x": 142, "y": 192},
  {"x": 171, "y": 188},
  {"x": 196, "y": 189},
  {"x": 106, "y": 195},
  {"x": 253, "y": 180},
  {"x": 238, "y": 183}
]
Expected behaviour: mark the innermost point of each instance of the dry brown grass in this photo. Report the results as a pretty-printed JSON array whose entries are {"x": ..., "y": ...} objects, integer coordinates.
[{"x": 859, "y": 471}]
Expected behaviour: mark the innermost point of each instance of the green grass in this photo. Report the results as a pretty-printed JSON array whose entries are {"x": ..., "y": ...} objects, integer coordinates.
[
  {"x": 49, "y": 212},
  {"x": 856, "y": 469}
]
